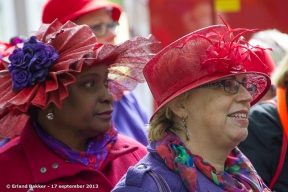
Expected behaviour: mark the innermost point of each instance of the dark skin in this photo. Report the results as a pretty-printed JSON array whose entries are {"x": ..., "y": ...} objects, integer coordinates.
[{"x": 85, "y": 113}]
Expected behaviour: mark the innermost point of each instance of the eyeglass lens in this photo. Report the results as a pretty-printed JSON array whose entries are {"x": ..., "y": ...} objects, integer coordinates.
[
  {"x": 101, "y": 29},
  {"x": 232, "y": 86}
]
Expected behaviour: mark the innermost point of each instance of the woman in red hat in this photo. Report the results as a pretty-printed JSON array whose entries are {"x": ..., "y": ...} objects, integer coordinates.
[
  {"x": 102, "y": 17},
  {"x": 55, "y": 94},
  {"x": 204, "y": 93}
]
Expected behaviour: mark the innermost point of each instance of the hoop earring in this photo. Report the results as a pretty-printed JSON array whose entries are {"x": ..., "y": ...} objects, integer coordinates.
[
  {"x": 185, "y": 127},
  {"x": 50, "y": 116}
]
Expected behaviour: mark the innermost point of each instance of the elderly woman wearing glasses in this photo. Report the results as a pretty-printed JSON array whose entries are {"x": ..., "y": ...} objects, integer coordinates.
[
  {"x": 100, "y": 15},
  {"x": 204, "y": 94}
]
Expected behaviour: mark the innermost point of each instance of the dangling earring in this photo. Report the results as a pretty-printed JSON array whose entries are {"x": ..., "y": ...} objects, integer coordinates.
[
  {"x": 185, "y": 127},
  {"x": 50, "y": 116}
]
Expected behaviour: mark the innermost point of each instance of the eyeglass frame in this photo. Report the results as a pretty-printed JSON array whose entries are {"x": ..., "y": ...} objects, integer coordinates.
[
  {"x": 112, "y": 25},
  {"x": 222, "y": 84}
]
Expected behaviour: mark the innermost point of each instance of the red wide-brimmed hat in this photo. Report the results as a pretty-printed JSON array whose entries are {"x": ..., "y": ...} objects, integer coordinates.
[
  {"x": 66, "y": 10},
  {"x": 200, "y": 57},
  {"x": 38, "y": 71}
]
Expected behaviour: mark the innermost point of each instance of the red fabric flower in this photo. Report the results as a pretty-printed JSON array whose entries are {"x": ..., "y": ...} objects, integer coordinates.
[{"x": 229, "y": 54}]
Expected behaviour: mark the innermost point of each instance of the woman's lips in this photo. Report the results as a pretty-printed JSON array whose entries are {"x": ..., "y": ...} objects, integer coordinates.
[
  {"x": 105, "y": 114},
  {"x": 239, "y": 116}
]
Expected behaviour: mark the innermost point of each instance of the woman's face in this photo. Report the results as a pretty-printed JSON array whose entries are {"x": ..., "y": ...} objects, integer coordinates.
[
  {"x": 217, "y": 116},
  {"x": 94, "y": 20},
  {"x": 88, "y": 108}
]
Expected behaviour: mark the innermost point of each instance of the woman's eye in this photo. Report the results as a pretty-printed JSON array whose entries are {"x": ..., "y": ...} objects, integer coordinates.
[
  {"x": 228, "y": 84},
  {"x": 96, "y": 27},
  {"x": 90, "y": 83}
]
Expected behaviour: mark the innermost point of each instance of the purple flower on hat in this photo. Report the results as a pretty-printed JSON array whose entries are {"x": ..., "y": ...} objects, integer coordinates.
[
  {"x": 20, "y": 78},
  {"x": 29, "y": 65},
  {"x": 17, "y": 60}
]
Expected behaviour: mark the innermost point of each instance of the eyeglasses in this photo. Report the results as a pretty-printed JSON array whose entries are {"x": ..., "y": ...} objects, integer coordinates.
[
  {"x": 232, "y": 86},
  {"x": 101, "y": 29}
]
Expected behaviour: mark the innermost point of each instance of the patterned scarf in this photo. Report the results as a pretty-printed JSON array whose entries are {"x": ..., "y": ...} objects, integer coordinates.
[
  {"x": 238, "y": 176},
  {"x": 95, "y": 155}
]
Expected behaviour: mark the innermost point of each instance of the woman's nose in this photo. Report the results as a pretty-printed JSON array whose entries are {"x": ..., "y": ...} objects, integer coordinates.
[
  {"x": 108, "y": 97},
  {"x": 244, "y": 94}
]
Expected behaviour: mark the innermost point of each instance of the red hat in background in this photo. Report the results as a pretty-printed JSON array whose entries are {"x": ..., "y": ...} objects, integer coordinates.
[
  {"x": 203, "y": 56},
  {"x": 66, "y": 10},
  {"x": 7, "y": 48},
  {"x": 3, "y": 52},
  {"x": 257, "y": 60}
]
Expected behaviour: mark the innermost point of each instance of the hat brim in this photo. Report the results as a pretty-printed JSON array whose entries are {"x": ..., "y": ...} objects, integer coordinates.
[
  {"x": 94, "y": 6},
  {"x": 262, "y": 81}
]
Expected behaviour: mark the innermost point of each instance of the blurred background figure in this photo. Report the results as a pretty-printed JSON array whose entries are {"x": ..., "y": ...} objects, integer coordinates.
[
  {"x": 129, "y": 115},
  {"x": 274, "y": 39},
  {"x": 6, "y": 49},
  {"x": 3, "y": 52},
  {"x": 261, "y": 61},
  {"x": 100, "y": 15},
  {"x": 278, "y": 42},
  {"x": 266, "y": 143}
]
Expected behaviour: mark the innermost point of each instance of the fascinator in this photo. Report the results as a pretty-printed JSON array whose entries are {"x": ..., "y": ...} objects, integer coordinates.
[
  {"x": 200, "y": 57},
  {"x": 38, "y": 71}
]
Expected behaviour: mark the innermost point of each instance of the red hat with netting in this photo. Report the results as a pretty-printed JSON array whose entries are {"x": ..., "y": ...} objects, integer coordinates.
[
  {"x": 39, "y": 70},
  {"x": 66, "y": 10},
  {"x": 202, "y": 56}
]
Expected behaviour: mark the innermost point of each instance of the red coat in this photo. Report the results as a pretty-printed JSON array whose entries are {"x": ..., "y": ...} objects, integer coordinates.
[{"x": 27, "y": 160}]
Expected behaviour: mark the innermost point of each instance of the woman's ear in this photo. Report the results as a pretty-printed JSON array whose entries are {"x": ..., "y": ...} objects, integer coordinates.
[{"x": 179, "y": 109}]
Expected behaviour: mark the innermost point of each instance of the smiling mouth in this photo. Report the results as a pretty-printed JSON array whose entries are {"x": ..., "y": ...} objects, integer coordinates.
[{"x": 238, "y": 115}]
